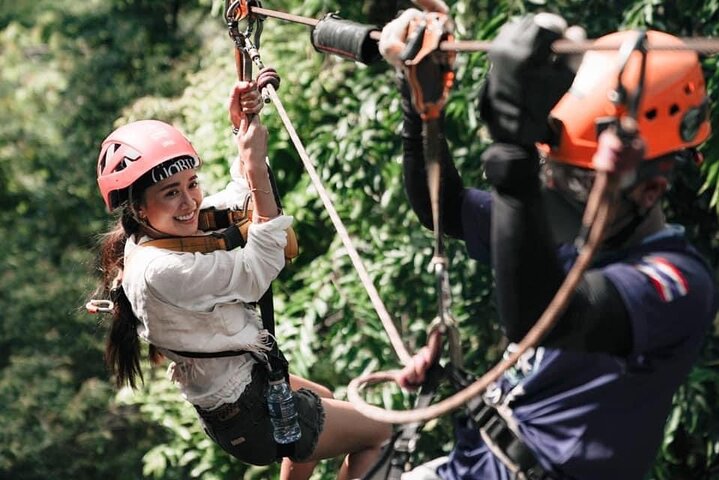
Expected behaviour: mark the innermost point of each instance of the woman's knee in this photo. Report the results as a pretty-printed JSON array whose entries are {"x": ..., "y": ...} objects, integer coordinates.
[{"x": 299, "y": 382}]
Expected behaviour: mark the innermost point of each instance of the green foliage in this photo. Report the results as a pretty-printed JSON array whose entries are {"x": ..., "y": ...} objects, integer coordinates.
[{"x": 70, "y": 71}]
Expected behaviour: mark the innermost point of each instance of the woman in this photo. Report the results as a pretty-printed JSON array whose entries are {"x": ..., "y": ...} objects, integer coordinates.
[{"x": 189, "y": 306}]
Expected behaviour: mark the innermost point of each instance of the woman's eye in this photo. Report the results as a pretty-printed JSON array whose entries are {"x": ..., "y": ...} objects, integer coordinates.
[{"x": 194, "y": 184}]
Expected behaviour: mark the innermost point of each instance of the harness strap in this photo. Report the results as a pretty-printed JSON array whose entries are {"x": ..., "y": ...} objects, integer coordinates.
[
  {"x": 236, "y": 224},
  {"x": 505, "y": 444},
  {"x": 406, "y": 443},
  {"x": 213, "y": 219},
  {"x": 396, "y": 453},
  {"x": 228, "y": 239}
]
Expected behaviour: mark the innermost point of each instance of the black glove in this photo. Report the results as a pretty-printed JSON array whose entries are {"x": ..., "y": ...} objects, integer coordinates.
[{"x": 525, "y": 80}]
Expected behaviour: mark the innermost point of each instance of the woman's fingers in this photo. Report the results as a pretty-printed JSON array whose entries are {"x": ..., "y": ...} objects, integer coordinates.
[{"x": 244, "y": 99}]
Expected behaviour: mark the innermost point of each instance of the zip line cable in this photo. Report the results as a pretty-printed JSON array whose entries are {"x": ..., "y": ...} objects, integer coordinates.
[{"x": 703, "y": 45}]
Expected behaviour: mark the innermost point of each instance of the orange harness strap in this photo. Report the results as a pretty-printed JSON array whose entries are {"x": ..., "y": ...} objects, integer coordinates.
[{"x": 235, "y": 225}]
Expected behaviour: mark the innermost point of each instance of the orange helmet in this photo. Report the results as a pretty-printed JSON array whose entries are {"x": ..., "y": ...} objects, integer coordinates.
[
  {"x": 673, "y": 108},
  {"x": 134, "y": 150}
]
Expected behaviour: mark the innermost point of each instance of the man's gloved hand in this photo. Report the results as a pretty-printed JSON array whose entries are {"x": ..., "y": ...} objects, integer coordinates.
[
  {"x": 410, "y": 43},
  {"x": 526, "y": 79},
  {"x": 393, "y": 39},
  {"x": 432, "y": 5}
]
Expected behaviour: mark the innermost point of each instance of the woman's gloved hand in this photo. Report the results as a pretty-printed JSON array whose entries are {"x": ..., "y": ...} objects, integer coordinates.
[{"x": 526, "y": 78}]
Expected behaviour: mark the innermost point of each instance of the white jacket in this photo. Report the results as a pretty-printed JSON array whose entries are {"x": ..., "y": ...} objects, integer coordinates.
[{"x": 199, "y": 302}]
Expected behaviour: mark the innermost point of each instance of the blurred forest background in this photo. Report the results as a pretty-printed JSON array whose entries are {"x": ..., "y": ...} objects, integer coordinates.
[{"x": 70, "y": 71}]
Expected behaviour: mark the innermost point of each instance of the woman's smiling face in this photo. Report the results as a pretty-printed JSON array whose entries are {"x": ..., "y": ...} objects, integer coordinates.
[{"x": 172, "y": 205}]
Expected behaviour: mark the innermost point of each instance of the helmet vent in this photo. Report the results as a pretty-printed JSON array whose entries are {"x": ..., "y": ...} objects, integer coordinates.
[
  {"x": 651, "y": 114},
  {"x": 673, "y": 110}
]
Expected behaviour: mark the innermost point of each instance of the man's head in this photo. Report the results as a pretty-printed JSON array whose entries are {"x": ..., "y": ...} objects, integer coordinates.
[
  {"x": 672, "y": 113},
  {"x": 672, "y": 118}
]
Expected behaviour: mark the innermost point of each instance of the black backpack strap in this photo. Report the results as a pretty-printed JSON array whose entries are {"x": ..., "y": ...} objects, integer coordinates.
[{"x": 267, "y": 312}]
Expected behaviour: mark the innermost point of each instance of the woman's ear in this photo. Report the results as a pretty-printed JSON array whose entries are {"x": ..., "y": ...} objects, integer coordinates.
[{"x": 652, "y": 190}]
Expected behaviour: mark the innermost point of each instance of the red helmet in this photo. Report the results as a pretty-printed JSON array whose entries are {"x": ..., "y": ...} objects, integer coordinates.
[
  {"x": 673, "y": 111},
  {"x": 133, "y": 150}
]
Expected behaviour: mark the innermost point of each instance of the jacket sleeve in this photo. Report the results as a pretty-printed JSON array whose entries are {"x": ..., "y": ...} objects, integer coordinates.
[
  {"x": 415, "y": 175},
  {"x": 527, "y": 268}
]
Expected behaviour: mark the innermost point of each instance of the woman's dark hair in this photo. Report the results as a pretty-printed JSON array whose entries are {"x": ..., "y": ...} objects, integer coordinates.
[{"x": 122, "y": 345}]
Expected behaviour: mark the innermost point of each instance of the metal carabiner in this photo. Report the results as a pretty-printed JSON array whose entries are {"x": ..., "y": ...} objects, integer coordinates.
[
  {"x": 239, "y": 10},
  {"x": 446, "y": 325},
  {"x": 621, "y": 96},
  {"x": 99, "y": 306}
]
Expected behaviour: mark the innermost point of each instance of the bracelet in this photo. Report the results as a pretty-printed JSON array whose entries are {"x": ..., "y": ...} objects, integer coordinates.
[
  {"x": 256, "y": 217},
  {"x": 235, "y": 130}
]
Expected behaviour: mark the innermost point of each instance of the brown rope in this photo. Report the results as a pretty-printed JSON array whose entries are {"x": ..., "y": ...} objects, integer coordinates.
[{"x": 602, "y": 201}]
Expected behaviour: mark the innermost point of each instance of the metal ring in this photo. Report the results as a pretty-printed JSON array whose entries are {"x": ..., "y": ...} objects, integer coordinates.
[{"x": 99, "y": 306}]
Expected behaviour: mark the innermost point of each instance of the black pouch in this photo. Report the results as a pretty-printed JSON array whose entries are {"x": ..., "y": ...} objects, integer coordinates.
[{"x": 345, "y": 38}]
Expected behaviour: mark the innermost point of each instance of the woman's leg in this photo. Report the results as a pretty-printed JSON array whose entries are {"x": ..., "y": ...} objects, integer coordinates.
[
  {"x": 302, "y": 471},
  {"x": 298, "y": 382},
  {"x": 346, "y": 431}
]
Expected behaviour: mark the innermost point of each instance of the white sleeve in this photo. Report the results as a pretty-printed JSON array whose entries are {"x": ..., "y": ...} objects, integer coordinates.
[{"x": 198, "y": 281}]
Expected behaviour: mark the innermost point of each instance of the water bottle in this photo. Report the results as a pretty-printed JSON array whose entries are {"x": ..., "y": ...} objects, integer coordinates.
[{"x": 283, "y": 411}]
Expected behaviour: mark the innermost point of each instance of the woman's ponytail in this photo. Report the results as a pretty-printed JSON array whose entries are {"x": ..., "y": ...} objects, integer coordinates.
[{"x": 122, "y": 345}]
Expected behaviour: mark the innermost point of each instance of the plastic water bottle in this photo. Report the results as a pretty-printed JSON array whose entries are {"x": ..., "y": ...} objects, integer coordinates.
[{"x": 283, "y": 411}]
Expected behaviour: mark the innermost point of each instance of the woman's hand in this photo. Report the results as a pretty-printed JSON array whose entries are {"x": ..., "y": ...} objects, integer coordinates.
[
  {"x": 251, "y": 139},
  {"x": 245, "y": 99}
]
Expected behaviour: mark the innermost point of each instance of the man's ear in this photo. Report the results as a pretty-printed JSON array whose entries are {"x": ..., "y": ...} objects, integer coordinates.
[{"x": 652, "y": 190}]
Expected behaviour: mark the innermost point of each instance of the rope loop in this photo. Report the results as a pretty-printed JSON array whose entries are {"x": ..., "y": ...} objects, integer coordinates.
[{"x": 268, "y": 76}]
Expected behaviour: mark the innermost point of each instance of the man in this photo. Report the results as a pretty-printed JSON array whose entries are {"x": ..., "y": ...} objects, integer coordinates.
[{"x": 591, "y": 401}]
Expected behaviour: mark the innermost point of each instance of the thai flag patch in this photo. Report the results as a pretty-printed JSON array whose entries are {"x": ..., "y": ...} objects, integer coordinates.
[{"x": 666, "y": 279}]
